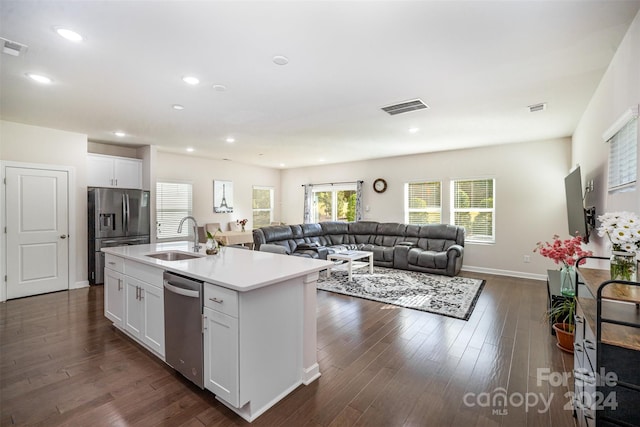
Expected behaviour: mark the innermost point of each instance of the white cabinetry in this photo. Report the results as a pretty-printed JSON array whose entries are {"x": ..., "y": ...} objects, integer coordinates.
[
  {"x": 134, "y": 301},
  {"x": 145, "y": 313},
  {"x": 221, "y": 374},
  {"x": 114, "y": 290},
  {"x": 111, "y": 171},
  {"x": 252, "y": 345}
]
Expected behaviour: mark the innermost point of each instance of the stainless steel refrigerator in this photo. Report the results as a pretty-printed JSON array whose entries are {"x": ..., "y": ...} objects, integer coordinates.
[{"x": 117, "y": 217}]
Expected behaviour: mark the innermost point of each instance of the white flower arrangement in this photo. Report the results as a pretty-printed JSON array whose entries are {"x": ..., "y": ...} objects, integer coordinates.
[{"x": 622, "y": 229}]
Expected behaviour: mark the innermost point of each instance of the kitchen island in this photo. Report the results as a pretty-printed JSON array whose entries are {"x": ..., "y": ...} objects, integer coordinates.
[{"x": 259, "y": 345}]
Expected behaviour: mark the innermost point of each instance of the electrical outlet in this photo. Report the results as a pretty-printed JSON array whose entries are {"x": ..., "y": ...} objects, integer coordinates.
[{"x": 526, "y": 258}]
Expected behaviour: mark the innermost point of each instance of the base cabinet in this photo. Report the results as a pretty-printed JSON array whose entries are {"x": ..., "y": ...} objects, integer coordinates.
[
  {"x": 134, "y": 301},
  {"x": 221, "y": 375},
  {"x": 145, "y": 313},
  {"x": 114, "y": 296}
]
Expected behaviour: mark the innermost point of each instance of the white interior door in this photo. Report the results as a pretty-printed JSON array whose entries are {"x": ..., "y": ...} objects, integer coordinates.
[{"x": 37, "y": 231}]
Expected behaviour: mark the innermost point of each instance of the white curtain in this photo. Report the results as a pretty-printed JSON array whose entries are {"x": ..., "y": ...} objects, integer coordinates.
[
  {"x": 308, "y": 200},
  {"x": 359, "y": 207}
]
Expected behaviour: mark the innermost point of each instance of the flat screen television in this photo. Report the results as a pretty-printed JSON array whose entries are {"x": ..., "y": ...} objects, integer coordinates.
[{"x": 580, "y": 218}]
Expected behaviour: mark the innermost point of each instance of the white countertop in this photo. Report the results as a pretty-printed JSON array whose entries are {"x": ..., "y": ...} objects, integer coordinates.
[{"x": 233, "y": 268}]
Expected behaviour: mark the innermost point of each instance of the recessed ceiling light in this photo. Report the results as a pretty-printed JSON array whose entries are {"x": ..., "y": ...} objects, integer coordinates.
[
  {"x": 177, "y": 107},
  {"x": 69, "y": 34},
  {"x": 321, "y": 160},
  {"x": 119, "y": 134},
  {"x": 230, "y": 140},
  {"x": 280, "y": 60},
  {"x": 219, "y": 88},
  {"x": 190, "y": 80},
  {"x": 190, "y": 149},
  {"x": 281, "y": 165},
  {"x": 413, "y": 130},
  {"x": 39, "y": 78}
]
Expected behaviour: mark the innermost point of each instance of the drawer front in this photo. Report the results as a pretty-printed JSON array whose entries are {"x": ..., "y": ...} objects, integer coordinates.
[
  {"x": 113, "y": 262},
  {"x": 143, "y": 272},
  {"x": 221, "y": 299}
]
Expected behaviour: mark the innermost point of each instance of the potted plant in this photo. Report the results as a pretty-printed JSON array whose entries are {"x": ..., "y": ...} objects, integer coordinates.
[
  {"x": 212, "y": 244},
  {"x": 562, "y": 316}
]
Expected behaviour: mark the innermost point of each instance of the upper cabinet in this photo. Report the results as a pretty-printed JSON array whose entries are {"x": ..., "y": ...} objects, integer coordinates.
[{"x": 111, "y": 171}]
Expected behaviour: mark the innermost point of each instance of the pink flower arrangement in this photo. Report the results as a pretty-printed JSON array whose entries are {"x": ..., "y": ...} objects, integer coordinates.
[
  {"x": 566, "y": 251},
  {"x": 242, "y": 222}
]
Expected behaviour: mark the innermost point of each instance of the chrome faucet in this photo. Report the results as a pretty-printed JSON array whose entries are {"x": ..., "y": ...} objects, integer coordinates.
[{"x": 196, "y": 246}]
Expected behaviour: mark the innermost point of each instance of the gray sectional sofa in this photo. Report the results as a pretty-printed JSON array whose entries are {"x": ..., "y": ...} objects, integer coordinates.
[{"x": 434, "y": 248}]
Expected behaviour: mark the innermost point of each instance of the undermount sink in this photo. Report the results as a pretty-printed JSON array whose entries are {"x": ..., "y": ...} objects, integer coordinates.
[{"x": 174, "y": 256}]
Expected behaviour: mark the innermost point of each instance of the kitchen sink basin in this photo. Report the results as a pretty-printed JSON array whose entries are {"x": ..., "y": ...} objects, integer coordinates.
[{"x": 174, "y": 256}]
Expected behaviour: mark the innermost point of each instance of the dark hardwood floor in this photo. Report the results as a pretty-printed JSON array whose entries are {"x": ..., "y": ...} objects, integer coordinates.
[{"x": 62, "y": 363}]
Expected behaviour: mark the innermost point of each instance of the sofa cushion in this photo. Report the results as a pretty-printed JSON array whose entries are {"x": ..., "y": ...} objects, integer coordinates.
[
  {"x": 428, "y": 259},
  {"x": 275, "y": 233},
  {"x": 363, "y": 231}
]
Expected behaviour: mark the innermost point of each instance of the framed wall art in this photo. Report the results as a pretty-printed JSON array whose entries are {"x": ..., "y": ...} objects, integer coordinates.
[{"x": 222, "y": 196}]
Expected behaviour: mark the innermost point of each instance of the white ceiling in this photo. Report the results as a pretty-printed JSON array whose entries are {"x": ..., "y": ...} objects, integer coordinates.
[{"x": 477, "y": 64}]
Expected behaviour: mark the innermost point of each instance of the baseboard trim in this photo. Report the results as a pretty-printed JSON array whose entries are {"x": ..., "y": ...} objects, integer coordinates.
[
  {"x": 78, "y": 285},
  {"x": 519, "y": 274}
]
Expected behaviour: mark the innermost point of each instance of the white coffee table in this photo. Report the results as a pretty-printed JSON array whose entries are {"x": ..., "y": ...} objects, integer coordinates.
[{"x": 350, "y": 257}]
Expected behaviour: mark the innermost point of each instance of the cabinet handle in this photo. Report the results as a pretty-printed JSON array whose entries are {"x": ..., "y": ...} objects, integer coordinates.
[
  {"x": 111, "y": 263},
  {"x": 579, "y": 319},
  {"x": 578, "y": 347},
  {"x": 204, "y": 323},
  {"x": 119, "y": 284},
  {"x": 116, "y": 181},
  {"x": 137, "y": 293},
  {"x": 589, "y": 345},
  {"x": 219, "y": 301}
]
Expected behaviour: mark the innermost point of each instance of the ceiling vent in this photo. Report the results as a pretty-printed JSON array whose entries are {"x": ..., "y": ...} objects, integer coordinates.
[
  {"x": 537, "y": 107},
  {"x": 12, "y": 48},
  {"x": 405, "y": 107}
]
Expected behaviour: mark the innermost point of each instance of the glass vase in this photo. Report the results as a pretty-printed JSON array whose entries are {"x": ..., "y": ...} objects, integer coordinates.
[
  {"x": 568, "y": 281},
  {"x": 211, "y": 247},
  {"x": 624, "y": 266}
]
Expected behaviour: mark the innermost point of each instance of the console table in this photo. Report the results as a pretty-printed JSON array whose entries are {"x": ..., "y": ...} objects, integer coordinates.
[{"x": 606, "y": 350}]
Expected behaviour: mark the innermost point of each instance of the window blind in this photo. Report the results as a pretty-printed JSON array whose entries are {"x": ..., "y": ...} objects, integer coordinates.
[
  {"x": 423, "y": 203},
  {"x": 623, "y": 157},
  {"x": 473, "y": 208},
  {"x": 174, "y": 201}
]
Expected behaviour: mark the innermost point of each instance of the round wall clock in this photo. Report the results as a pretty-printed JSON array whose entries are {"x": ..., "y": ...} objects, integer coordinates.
[{"x": 380, "y": 185}]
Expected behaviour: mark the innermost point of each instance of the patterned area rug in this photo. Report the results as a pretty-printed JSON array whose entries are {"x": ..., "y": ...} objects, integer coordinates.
[{"x": 449, "y": 296}]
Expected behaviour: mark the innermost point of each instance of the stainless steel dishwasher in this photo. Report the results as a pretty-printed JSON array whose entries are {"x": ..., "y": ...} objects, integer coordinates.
[{"x": 183, "y": 326}]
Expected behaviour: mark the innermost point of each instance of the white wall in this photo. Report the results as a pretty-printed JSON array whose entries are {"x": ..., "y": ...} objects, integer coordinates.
[
  {"x": 201, "y": 172},
  {"x": 530, "y": 199},
  {"x": 38, "y": 145},
  {"x": 33, "y": 144},
  {"x": 618, "y": 90}
]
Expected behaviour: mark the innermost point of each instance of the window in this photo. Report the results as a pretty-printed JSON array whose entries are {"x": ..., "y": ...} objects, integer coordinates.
[
  {"x": 423, "y": 202},
  {"x": 472, "y": 206},
  {"x": 623, "y": 151},
  {"x": 334, "y": 203},
  {"x": 262, "y": 206},
  {"x": 173, "y": 202}
]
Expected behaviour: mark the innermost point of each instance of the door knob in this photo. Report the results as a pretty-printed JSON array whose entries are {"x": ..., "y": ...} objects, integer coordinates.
[{"x": 63, "y": 236}]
